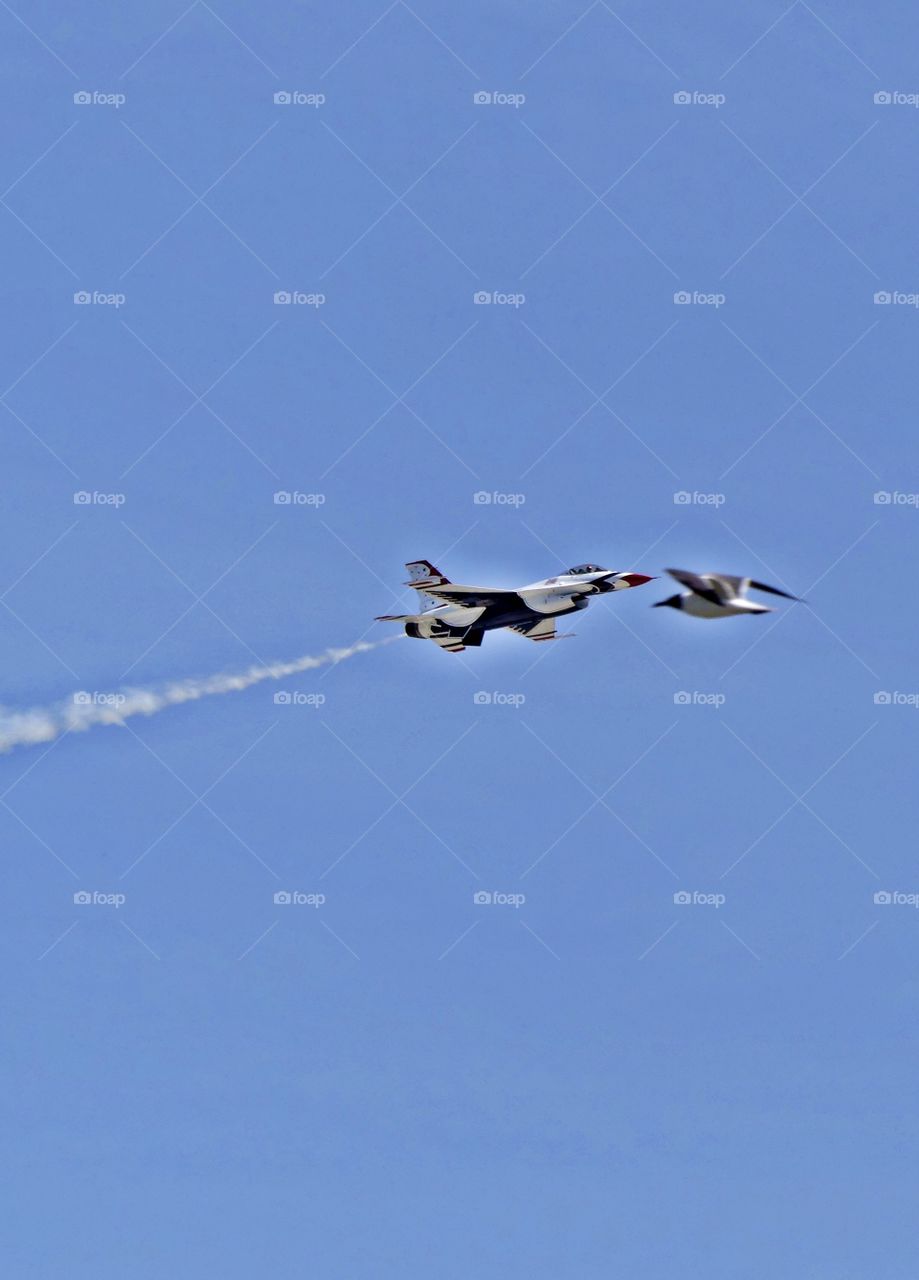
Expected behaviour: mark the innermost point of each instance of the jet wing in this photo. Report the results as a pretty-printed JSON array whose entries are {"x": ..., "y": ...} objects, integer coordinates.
[
  {"x": 474, "y": 597},
  {"x": 544, "y": 629}
]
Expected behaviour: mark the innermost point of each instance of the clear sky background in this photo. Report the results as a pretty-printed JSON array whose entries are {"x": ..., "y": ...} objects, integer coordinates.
[{"x": 400, "y": 1082}]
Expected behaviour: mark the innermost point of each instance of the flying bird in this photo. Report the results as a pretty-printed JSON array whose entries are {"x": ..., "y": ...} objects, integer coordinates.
[
  {"x": 717, "y": 595},
  {"x": 455, "y": 616}
]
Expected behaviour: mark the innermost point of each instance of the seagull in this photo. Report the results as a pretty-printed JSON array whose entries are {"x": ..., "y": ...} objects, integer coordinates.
[{"x": 717, "y": 595}]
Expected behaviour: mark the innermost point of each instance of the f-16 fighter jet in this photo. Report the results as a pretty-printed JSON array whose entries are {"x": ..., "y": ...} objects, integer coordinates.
[
  {"x": 454, "y": 616},
  {"x": 717, "y": 595}
]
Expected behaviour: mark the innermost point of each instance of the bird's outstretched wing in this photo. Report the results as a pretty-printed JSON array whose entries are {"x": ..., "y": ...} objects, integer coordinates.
[
  {"x": 703, "y": 587},
  {"x": 719, "y": 587},
  {"x": 773, "y": 591}
]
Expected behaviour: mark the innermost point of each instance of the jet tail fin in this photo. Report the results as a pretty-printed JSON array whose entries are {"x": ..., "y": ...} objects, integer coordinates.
[{"x": 421, "y": 574}]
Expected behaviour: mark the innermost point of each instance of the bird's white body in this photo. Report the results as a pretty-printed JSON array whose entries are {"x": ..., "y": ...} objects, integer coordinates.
[
  {"x": 717, "y": 595},
  {"x": 698, "y": 607}
]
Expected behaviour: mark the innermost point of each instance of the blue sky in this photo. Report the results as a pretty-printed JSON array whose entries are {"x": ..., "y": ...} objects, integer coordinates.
[{"x": 399, "y": 1081}]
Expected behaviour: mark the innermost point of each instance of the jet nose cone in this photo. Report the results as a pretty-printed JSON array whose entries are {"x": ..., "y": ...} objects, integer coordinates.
[{"x": 637, "y": 579}]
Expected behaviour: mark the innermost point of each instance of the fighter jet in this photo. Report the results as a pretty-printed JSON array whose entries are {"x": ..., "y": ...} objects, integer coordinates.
[
  {"x": 455, "y": 617},
  {"x": 716, "y": 595}
]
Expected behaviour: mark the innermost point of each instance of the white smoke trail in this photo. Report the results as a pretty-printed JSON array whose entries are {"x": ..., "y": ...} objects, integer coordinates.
[{"x": 84, "y": 710}]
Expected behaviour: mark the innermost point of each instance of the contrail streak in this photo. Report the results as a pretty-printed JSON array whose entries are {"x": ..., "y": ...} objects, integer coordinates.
[{"x": 84, "y": 710}]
